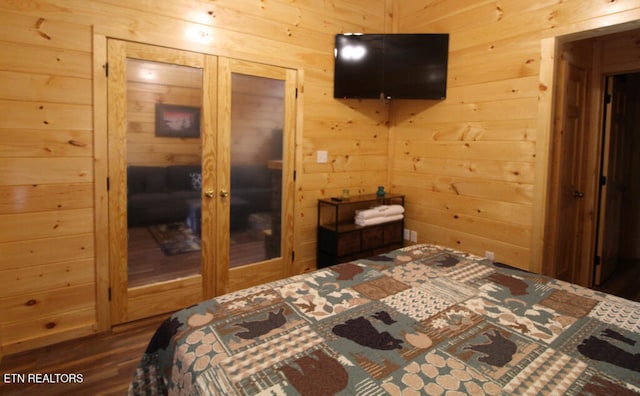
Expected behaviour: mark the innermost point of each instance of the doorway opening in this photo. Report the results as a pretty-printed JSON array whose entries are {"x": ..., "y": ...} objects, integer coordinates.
[
  {"x": 617, "y": 251},
  {"x": 200, "y": 179},
  {"x": 594, "y": 209}
]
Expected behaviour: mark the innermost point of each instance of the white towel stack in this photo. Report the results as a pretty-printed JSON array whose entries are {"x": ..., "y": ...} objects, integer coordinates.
[{"x": 379, "y": 214}]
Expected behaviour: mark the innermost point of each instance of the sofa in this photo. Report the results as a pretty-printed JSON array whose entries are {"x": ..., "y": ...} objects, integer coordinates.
[
  {"x": 253, "y": 184},
  {"x": 160, "y": 195}
]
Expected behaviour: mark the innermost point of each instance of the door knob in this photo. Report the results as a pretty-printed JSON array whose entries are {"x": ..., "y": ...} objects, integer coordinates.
[
  {"x": 209, "y": 193},
  {"x": 578, "y": 194},
  {"x": 224, "y": 193}
]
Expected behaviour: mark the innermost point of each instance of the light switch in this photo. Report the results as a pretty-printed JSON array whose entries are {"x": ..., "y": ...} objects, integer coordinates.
[{"x": 322, "y": 156}]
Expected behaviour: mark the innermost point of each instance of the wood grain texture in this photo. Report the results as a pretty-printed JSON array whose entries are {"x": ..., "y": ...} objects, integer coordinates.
[
  {"x": 483, "y": 144},
  {"x": 172, "y": 84},
  {"x": 53, "y": 123}
]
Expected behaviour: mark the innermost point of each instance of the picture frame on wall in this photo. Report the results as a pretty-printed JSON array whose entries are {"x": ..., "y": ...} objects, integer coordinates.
[{"x": 177, "y": 120}]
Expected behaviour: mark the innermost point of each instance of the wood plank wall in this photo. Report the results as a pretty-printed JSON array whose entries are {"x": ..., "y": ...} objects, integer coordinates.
[
  {"x": 256, "y": 116},
  {"x": 441, "y": 154},
  {"x": 174, "y": 85},
  {"x": 257, "y": 110},
  {"x": 47, "y": 267},
  {"x": 52, "y": 285},
  {"x": 468, "y": 164}
]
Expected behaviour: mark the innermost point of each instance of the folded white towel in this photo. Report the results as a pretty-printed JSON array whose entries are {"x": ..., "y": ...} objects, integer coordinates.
[
  {"x": 380, "y": 211},
  {"x": 378, "y": 220}
]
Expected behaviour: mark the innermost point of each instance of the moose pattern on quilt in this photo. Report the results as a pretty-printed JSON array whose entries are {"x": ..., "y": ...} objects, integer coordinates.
[{"x": 419, "y": 320}]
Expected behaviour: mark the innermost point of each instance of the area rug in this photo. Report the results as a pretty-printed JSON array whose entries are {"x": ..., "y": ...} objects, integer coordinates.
[{"x": 175, "y": 238}]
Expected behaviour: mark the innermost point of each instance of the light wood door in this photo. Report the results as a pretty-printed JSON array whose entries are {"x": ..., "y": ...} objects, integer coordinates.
[
  {"x": 568, "y": 164},
  {"x": 162, "y": 106},
  {"x": 614, "y": 176},
  {"x": 255, "y": 174}
]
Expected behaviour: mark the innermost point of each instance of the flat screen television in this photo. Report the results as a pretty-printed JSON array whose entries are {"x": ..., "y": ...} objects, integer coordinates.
[
  {"x": 400, "y": 66},
  {"x": 358, "y": 66}
]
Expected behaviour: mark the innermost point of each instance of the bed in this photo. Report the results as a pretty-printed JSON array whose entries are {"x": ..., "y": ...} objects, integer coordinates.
[{"x": 422, "y": 319}]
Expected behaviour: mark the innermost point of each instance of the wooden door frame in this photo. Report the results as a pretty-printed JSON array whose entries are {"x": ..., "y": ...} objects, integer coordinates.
[
  {"x": 541, "y": 259},
  {"x": 131, "y": 303},
  {"x": 100, "y": 177},
  {"x": 545, "y": 209},
  {"x": 104, "y": 317},
  {"x": 231, "y": 279},
  {"x": 601, "y": 212}
]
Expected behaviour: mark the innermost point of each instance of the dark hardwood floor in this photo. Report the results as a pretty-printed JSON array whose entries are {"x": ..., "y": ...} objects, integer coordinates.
[
  {"x": 148, "y": 264},
  {"x": 625, "y": 282},
  {"x": 107, "y": 360}
]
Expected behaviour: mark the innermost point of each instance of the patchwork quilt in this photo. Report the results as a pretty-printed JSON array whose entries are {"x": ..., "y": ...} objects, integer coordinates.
[{"x": 419, "y": 320}]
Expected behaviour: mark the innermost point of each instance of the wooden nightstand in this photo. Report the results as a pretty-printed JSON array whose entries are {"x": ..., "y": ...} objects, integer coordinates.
[{"x": 340, "y": 239}]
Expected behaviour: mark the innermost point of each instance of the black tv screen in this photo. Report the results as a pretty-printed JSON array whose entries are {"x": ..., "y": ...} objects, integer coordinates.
[
  {"x": 358, "y": 61},
  {"x": 401, "y": 66},
  {"x": 415, "y": 66}
]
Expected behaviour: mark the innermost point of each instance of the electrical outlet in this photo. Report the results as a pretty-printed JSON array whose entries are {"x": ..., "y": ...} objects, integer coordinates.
[
  {"x": 414, "y": 236},
  {"x": 407, "y": 234},
  {"x": 322, "y": 156},
  {"x": 488, "y": 254}
]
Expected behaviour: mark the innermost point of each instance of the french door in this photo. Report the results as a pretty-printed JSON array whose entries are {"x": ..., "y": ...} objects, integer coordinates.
[
  {"x": 199, "y": 203},
  {"x": 161, "y": 127},
  {"x": 256, "y": 124}
]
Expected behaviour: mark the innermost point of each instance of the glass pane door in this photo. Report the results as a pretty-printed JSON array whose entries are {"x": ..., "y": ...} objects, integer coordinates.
[
  {"x": 257, "y": 123},
  {"x": 164, "y": 176}
]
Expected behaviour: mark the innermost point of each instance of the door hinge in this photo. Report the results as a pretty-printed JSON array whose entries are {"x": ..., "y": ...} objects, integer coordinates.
[
  {"x": 109, "y": 294},
  {"x": 607, "y": 98},
  {"x": 596, "y": 260},
  {"x": 108, "y": 184},
  {"x": 294, "y": 175},
  {"x": 293, "y": 255},
  {"x": 296, "y": 93},
  {"x": 106, "y": 69},
  {"x": 603, "y": 180}
]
